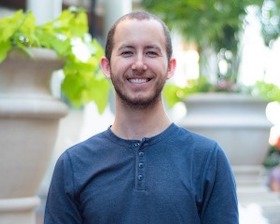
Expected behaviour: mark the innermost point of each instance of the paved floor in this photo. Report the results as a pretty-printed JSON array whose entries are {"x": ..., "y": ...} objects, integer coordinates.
[{"x": 40, "y": 213}]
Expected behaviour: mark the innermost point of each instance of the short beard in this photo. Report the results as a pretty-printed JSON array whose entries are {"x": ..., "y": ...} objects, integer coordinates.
[{"x": 138, "y": 103}]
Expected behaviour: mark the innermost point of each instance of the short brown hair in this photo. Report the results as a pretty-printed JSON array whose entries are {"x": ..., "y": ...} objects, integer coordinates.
[{"x": 139, "y": 15}]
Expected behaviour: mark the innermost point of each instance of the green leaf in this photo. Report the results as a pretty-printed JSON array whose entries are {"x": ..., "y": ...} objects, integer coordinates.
[
  {"x": 100, "y": 94},
  {"x": 5, "y": 48},
  {"x": 82, "y": 83},
  {"x": 97, "y": 49},
  {"x": 269, "y": 91},
  {"x": 84, "y": 88},
  {"x": 173, "y": 94},
  {"x": 9, "y": 25}
]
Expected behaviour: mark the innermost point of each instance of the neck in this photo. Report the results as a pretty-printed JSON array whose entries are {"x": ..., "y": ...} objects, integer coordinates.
[{"x": 139, "y": 123}]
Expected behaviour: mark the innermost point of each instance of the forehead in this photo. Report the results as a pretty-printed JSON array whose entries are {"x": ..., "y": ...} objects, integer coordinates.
[{"x": 133, "y": 31}]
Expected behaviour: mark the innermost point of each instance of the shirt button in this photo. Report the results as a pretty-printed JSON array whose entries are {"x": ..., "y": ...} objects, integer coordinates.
[
  {"x": 141, "y": 165},
  {"x": 140, "y": 177},
  {"x": 141, "y": 154}
]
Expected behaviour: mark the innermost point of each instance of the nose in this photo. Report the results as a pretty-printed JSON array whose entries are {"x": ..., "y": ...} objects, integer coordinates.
[{"x": 139, "y": 63}]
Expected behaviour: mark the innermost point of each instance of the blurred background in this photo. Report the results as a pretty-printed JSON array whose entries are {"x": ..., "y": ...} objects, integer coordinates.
[{"x": 221, "y": 47}]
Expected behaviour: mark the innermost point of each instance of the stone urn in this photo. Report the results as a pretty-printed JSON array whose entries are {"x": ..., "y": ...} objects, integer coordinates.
[
  {"x": 29, "y": 121},
  {"x": 239, "y": 124}
]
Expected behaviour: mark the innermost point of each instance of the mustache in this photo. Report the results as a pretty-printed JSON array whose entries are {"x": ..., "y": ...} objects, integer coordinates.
[{"x": 139, "y": 74}]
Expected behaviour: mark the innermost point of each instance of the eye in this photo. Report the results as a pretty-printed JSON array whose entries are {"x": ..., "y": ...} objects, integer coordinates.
[
  {"x": 152, "y": 53},
  {"x": 126, "y": 53}
]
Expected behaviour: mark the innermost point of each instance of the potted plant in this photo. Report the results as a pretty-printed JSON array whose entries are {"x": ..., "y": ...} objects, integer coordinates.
[
  {"x": 66, "y": 36},
  {"x": 174, "y": 93},
  {"x": 29, "y": 113}
]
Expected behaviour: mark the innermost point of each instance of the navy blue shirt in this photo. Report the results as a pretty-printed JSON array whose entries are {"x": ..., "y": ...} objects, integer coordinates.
[{"x": 176, "y": 177}]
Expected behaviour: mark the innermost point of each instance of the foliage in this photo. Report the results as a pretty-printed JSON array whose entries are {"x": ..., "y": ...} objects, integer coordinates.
[
  {"x": 213, "y": 23},
  {"x": 270, "y": 20},
  {"x": 209, "y": 24},
  {"x": 65, "y": 35},
  {"x": 268, "y": 90},
  {"x": 273, "y": 156},
  {"x": 174, "y": 93},
  {"x": 217, "y": 25}
]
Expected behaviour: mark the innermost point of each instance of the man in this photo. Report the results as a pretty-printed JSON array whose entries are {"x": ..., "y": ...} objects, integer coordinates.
[{"x": 143, "y": 168}]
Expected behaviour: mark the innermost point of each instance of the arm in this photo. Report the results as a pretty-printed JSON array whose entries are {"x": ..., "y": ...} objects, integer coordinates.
[
  {"x": 62, "y": 206},
  {"x": 220, "y": 203}
]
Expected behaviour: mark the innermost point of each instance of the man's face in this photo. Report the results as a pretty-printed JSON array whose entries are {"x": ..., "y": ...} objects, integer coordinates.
[{"x": 139, "y": 66}]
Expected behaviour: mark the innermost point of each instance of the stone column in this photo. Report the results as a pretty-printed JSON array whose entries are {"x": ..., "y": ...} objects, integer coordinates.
[
  {"x": 113, "y": 9},
  {"x": 45, "y": 10},
  {"x": 29, "y": 118}
]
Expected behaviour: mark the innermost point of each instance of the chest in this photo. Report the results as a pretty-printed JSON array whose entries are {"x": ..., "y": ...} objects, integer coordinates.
[{"x": 143, "y": 183}]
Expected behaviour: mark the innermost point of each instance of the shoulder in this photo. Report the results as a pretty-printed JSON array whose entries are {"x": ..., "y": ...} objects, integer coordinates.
[
  {"x": 84, "y": 150},
  {"x": 201, "y": 149},
  {"x": 78, "y": 161},
  {"x": 194, "y": 140},
  {"x": 92, "y": 143}
]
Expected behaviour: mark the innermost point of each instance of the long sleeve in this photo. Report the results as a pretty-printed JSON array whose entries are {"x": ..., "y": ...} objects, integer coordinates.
[
  {"x": 220, "y": 205},
  {"x": 61, "y": 206}
]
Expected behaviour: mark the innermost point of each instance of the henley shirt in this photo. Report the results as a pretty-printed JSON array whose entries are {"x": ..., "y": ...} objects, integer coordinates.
[{"x": 176, "y": 177}]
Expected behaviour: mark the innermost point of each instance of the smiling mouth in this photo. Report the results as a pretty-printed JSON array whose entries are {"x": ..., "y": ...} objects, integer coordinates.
[{"x": 139, "y": 81}]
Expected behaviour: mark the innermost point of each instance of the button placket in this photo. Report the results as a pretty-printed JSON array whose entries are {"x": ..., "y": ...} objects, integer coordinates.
[{"x": 140, "y": 169}]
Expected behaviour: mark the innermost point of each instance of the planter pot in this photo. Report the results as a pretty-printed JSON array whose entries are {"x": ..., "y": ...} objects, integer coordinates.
[
  {"x": 29, "y": 119},
  {"x": 239, "y": 124}
]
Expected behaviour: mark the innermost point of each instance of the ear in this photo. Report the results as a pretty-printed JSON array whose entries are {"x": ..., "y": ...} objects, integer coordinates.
[
  {"x": 171, "y": 68},
  {"x": 105, "y": 66}
]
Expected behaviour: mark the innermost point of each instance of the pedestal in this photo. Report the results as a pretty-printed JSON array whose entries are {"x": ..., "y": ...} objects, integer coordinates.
[{"x": 29, "y": 120}]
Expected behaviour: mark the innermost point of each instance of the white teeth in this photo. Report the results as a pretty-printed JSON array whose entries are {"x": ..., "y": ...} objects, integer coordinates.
[{"x": 138, "y": 80}]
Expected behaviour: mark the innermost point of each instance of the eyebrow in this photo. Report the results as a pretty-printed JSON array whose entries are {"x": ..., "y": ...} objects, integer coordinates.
[
  {"x": 153, "y": 46},
  {"x": 124, "y": 46}
]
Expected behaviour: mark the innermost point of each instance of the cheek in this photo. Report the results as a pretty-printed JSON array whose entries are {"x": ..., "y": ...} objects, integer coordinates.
[
  {"x": 120, "y": 67},
  {"x": 159, "y": 68},
  {"x": 115, "y": 71}
]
